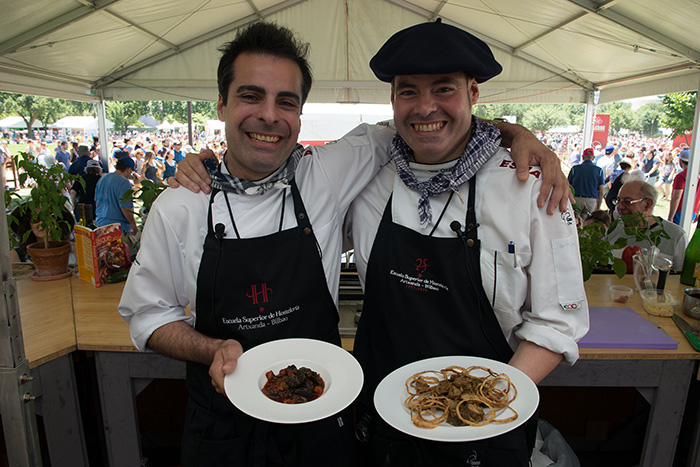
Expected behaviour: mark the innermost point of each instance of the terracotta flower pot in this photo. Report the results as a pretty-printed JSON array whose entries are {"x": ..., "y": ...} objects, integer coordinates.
[{"x": 52, "y": 261}]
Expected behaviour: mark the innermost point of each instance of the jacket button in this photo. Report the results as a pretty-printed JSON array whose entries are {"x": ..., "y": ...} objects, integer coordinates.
[
  {"x": 300, "y": 215},
  {"x": 307, "y": 230},
  {"x": 470, "y": 242}
]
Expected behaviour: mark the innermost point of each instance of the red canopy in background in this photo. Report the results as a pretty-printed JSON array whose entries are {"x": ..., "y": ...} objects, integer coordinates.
[{"x": 683, "y": 140}]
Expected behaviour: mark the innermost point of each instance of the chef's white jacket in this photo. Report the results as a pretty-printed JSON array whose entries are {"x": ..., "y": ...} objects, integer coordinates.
[
  {"x": 162, "y": 281},
  {"x": 541, "y": 298}
]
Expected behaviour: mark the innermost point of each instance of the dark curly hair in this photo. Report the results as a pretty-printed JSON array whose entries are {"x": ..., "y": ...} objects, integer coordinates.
[{"x": 264, "y": 38}]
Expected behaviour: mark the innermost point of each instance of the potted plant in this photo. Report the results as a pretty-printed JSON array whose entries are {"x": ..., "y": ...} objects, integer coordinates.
[
  {"x": 597, "y": 251},
  {"x": 648, "y": 267},
  {"x": 45, "y": 212}
]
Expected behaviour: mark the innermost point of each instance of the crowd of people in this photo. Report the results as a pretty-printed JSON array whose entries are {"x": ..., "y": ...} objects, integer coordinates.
[
  {"x": 630, "y": 176},
  {"x": 95, "y": 199}
]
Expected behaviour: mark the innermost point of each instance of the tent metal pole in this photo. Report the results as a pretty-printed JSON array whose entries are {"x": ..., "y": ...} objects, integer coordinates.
[
  {"x": 189, "y": 124},
  {"x": 691, "y": 181},
  {"x": 588, "y": 120},
  {"x": 102, "y": 126}
]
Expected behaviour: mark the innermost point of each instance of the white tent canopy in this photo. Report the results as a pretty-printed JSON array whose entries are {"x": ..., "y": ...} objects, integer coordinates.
[
  {"x": 18, "y": 123},
  {"x": 166, "y": 125},
  {"x": 79, "y": 123},
  {"x": 551, "y": 50}
]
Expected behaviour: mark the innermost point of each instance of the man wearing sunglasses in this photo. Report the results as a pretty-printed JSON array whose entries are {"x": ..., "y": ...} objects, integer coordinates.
[{"x": 639, "y": 196}]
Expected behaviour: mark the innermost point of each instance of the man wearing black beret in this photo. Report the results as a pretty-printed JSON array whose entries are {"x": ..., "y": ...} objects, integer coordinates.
[
  {"x": 341, "y": 170},
  {"x": 455, "y": 256}
]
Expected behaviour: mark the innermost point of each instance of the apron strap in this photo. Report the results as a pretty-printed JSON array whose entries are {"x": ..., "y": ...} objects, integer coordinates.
[
  {"x": 211, "y": 229},
  {"x": 302, "y": 217},
  {"x": 471, "y": 224},
  {"x": 386, "y": 216}
]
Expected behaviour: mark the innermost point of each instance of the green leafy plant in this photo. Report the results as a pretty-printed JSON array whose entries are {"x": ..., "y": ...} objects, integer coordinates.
[
  {"x": 146, "y": 194},
  {"x": 638, "y": 227},
  {"x": 46, "y": 201},
  {"x": 597, "y": 252}
]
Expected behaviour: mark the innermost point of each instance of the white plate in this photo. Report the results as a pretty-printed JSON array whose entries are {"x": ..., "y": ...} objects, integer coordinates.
[
  {"x": 391, "y": 393},
  {"x": 340, "y": 371}
]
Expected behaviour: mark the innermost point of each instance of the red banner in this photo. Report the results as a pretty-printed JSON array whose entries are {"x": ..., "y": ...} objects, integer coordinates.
[
  {"x": 683, "y": 141},
  {"x": 601, "y": 128}
]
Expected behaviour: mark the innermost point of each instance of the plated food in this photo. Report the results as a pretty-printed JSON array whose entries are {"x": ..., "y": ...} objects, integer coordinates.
[
  {"x": 392, "y": 393},
  {"x": 293, "y": 385},
  {"x": 341, "y": 374},
  {"x": 473, "y": 396}
]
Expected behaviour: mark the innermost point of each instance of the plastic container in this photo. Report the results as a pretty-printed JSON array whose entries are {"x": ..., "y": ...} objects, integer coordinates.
[
  {"x": 659, "y": 303},
  {"x": 620, "y": 293}
]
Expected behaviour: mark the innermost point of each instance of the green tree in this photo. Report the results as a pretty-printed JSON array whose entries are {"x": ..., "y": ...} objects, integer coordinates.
[
  {"x": 575, "y": 112},
  {"x": 33, "y": 108},
  {"x": 545, "y": 116},
  {"x": 621, "y": 116},
  {"x": 649, "y": 118},
  {"x": 125, "y": 113},
  {"x": 679, "y": 111}
]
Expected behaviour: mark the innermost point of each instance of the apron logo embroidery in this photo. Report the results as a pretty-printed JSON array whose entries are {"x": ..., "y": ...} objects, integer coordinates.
[
  {"x": 567, "y": 217},
  {"x": 421, "y": 265},
  {"x": 511, "y": 165},
  {"x": 418, "y": 283},
  {"x": 473, "y": 459},
  {"x": 263, "y": 293},
  {"x": 571, "y": 306}
]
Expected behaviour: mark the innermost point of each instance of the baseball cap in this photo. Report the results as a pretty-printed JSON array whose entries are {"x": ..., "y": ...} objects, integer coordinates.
[
  {"x": 127, "y": 161},
  {"x": 93, "y": 163},
  {"x": 684, "y": 155},
  {"x": 588, "y": 152},
  {"x": 609, "y": 149}
]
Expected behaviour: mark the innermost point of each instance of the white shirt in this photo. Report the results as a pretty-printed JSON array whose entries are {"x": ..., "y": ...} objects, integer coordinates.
[
  {"x": 162, "y": 281},
  {"x": 542, "y": 300}
]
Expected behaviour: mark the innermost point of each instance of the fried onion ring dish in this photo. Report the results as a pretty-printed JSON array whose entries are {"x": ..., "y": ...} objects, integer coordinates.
[{"x": 459, "y": 396}]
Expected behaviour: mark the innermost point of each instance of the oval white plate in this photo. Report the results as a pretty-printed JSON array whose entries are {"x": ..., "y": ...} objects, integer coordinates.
[
  {"x": 340, "y": 371},
  {"x": 391, "y": 393}
]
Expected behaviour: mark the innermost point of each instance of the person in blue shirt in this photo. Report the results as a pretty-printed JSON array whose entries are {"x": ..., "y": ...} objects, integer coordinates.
[
  {"x": 108, "y": 196},
  {"x": 588, "y": 181},
  {"x": 78, "y": 166},
  {"x": 178, "y": 153},
  {"x": 63, "y": 156}
]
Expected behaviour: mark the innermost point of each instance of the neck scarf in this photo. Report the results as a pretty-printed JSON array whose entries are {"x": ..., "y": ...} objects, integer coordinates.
[
  {"x": 484, "y": 142},
  {"x": 280, "y": 179}
]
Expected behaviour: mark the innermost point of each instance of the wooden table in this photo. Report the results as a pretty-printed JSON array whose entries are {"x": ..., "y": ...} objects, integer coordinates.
[{"x": 662, "y": 376}]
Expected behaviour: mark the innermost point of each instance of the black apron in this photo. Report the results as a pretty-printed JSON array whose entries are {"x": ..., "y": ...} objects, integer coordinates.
[
  {"x": 241, "y": 285},
  {"x": 424, "y": 298}
]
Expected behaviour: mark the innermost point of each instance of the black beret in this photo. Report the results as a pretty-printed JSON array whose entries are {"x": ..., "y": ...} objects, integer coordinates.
[{"x": 434, "y": 48}]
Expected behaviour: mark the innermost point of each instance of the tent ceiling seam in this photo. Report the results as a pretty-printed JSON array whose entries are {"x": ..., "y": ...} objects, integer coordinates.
[
  {"x": 639, "y": 28},
  {"x": 505, "y": 48},
  {"x": 53, "y": 25},
  {"x": 116, "y": 76}
]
